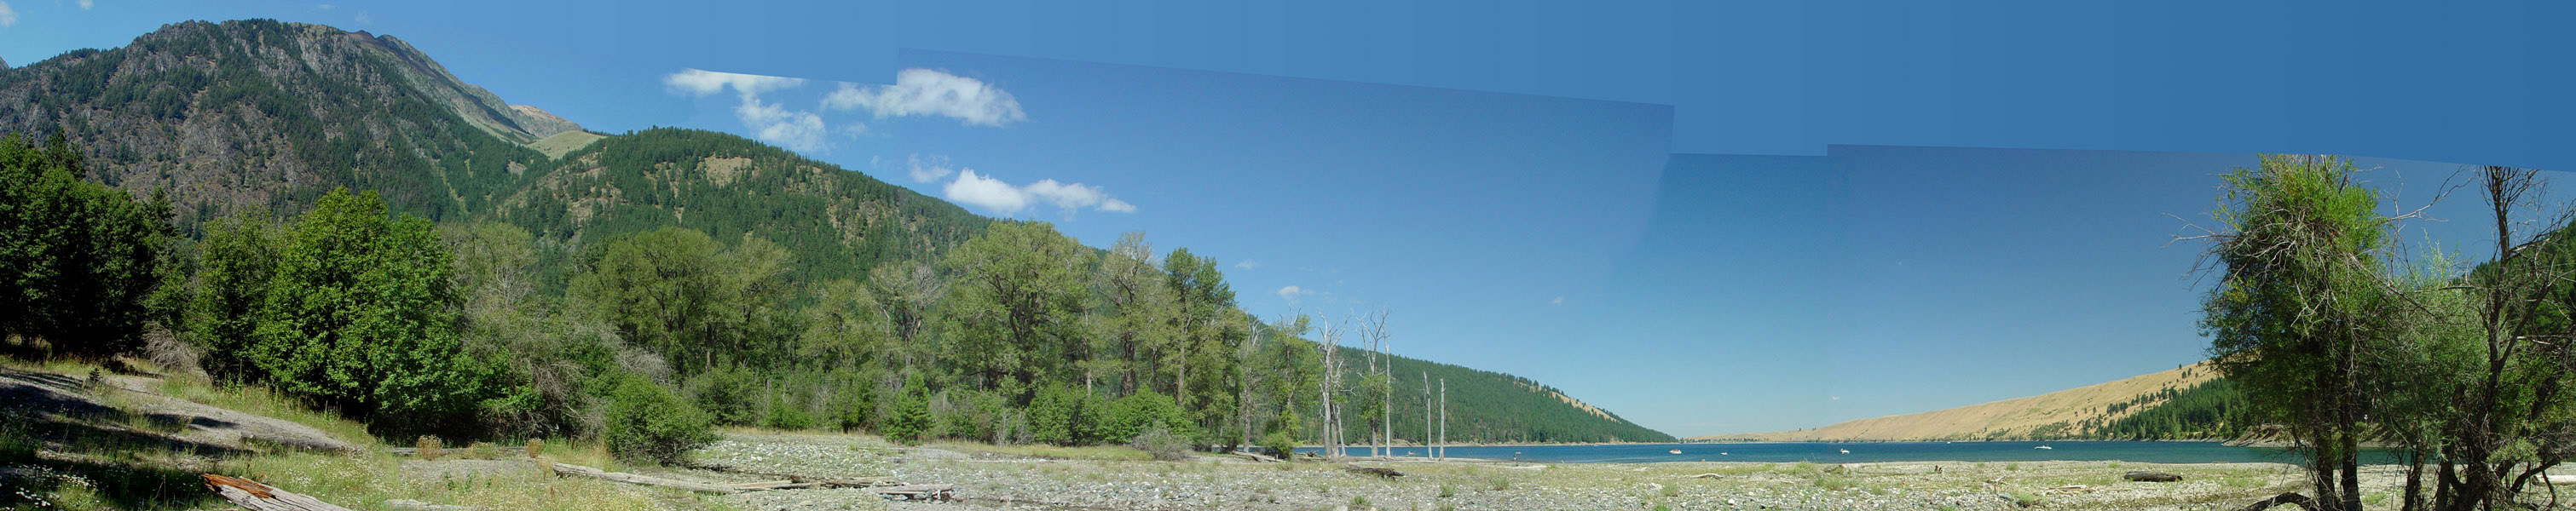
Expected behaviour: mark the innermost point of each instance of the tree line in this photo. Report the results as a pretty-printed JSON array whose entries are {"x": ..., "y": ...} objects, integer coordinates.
[
  {"x": 2341, "y": 336},
  {"x": 1017, "y": 334}
]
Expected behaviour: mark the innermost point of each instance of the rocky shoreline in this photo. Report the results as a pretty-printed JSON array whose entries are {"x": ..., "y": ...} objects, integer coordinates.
[{"x": 987, "y": 481}]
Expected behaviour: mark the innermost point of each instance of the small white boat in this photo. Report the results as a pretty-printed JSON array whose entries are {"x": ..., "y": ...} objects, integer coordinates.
[
  {"x": 1721, "y": 454},
  {"x": 1677, "y": 451},
  {"x": 1845, "y": 451},
  {"x": 2045, "y": 447}
]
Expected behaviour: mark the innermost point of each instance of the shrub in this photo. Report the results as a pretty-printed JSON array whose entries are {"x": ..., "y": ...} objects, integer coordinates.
[
  {"x": 1142, "y": 411},
  {"x": 1162, "y": 443},
  {"x": 1280, "y": 444},
  {"x": 647, "y": 423},
  {"x": 726, "y": 395},
  {"x": 854, "y": 404},
  {"x": 911, "y": 417},
  {"x": 427, "y": 446},
  {"x": 788, "y": 414}
]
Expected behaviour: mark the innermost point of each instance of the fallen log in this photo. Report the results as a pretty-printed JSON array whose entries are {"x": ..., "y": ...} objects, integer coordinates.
[
  {"x": 253, "y": 496},
  {"x": 1375, "y": 471},
  {"x": 1264, "y": 458},
  {"x": 622, "y": 477},
  {"x": 2152, "y": 477},
  {"x": 915, "y": 491},
  {"x": 2286, "y": 498}
]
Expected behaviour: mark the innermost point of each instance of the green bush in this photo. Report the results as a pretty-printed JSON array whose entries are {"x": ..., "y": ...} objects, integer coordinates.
[
  {"x": 648, "y": 423},
  {"x": 1065, "y": 415},
  {"x": 1142, "y": 411},
  {"x": 1280, "y": 444},
  {"x": 911, "y": 417},
  {"x": 727, "y": 395},
  {"x": 854, "y": 404},
  {"x": 788, "y": 414}
]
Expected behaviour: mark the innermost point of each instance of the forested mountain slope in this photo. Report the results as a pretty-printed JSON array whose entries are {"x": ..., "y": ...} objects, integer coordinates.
[
  {"x": 1491, "y": 407},
  {"x": 262, "y": 112},
  {"x": 245, "y": 115}
]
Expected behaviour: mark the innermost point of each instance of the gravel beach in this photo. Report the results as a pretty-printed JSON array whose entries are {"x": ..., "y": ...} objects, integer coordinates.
[{"x": 993, "y": 481}]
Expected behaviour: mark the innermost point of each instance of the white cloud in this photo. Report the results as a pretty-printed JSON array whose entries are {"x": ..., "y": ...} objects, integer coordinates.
[
  {"x": 1291, "y": 293},
  {"x": 1001, "y": 197},
  {"x": 1248, "y": 264},
  {"x": 702, "y": 82},
  {"x": 926, "y": 169},
  {"x": 325, "y": 7},
  {"x": 985, "y": 192},
  {"x": 931, "y": 92},
  {"x": 8, "y": 16},
  {"x": 1558, "y": 301},
  {"x": 364, "y": 18},
  {"x": 85, "y": 4},
  {"x": 797, "y": 130}
]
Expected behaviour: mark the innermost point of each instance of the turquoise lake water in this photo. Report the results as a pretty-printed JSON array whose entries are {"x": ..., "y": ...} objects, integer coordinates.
[{"x": 2142, "y": 452}]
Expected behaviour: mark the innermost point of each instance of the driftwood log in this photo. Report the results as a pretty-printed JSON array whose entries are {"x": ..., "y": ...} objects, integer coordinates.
[
  {"x": 622, "y": 477},
  {"x": 2286, "y": 498},
  {"x": 1375, "y": 471},
  {"x": 2152, "y": 477},
  {"x": 253, "y": 496},
  {"x": 1264, "y": 458}
]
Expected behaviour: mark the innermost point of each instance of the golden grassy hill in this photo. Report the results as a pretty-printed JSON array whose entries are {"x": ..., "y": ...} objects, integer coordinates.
[{"x": 2019, "y": 417}]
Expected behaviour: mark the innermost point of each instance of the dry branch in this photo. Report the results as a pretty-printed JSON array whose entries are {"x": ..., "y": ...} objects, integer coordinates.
[{"x": 253, "y": 496}]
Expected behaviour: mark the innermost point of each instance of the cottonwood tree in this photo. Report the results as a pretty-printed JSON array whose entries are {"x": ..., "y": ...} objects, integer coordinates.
[
  {"x": 1014, "y": 311},
  {"x": 2509, "y": 412},
  {"x": 2303, "y": 295}
]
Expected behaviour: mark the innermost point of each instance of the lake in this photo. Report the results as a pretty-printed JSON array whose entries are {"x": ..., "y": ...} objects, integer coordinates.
[{"x": 1868, "y": 452}]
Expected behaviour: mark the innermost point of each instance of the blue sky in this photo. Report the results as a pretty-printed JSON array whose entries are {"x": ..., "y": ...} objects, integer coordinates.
[{"x": 1560, "y": 239}]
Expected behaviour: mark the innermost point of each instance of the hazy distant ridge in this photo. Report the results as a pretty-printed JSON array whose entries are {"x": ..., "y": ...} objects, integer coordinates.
[{"x": 2059, "y": 414}]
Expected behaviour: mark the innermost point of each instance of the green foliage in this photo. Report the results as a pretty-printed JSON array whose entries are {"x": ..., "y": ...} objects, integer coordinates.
[
  {"x": 1283, "y": 444},
  {"x": 788, "y": 414},
  {"x": 1013, "y": 313},
  {"x": 1144, "y": 411},
  {"x": 728, "y": 395},
  {"x": 1065, "y": 415},
  {"x": 360, "y": 316},
  {"x": 911, "y": 419},
  {"x": 2213, "y": 409},
  {"x": 680, "y": 293},
  {"x": 84, "y": 260},
  {"x": 647, "y": 423}
]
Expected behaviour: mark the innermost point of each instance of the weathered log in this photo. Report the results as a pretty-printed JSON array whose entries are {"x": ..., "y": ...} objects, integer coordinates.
[
  {"x": 2152, "y": 477},
  {"x": 2557, "y": 480},
  {"x": 253, "y": 496},
  {"x": 1264, "y": 458},
  {"x": 2286, "y": 498},
  {"x": 915, "y": 492},
  {"x": 1710, "y": 475},
  {"x": 1375, "y": 471},
  {"x": 593, "y": 473}
]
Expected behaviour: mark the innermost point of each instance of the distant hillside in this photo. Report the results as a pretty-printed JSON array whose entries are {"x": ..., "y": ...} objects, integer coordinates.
[
  {"x": 1491, "y": 407},
  {"x": 2072, "y": 413}
]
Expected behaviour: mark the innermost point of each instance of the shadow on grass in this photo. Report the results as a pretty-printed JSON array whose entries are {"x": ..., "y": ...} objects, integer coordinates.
[{"x": 57, "y": 441}]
